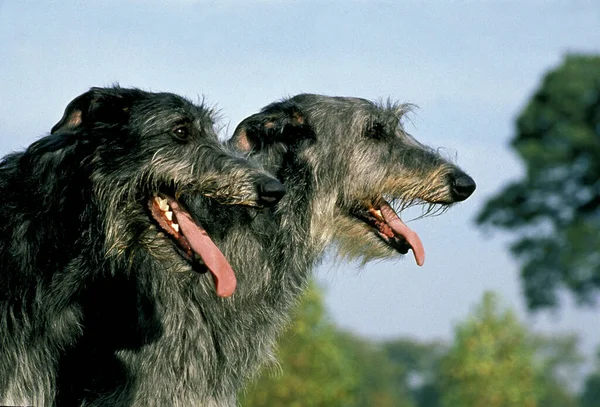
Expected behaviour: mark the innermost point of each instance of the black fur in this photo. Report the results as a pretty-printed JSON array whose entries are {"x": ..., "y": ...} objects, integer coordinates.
[{"x": 92, "y": 290}]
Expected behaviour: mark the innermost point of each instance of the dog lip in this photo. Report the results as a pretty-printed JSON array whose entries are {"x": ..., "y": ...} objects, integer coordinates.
[
  {"x": 390, "y": 229},
  {"x": 195, "y": 242},
  {"x": 159, "y": 208},
  {"x": 397, "y": 243}
]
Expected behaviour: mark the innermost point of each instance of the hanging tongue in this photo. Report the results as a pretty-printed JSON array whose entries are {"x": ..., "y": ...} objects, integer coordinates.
[
  {"x": 202, "y": 244},
  {"x": 401, "y": 229}
]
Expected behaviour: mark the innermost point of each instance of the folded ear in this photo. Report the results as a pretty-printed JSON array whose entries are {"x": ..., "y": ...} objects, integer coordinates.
[
  {"x": 98, "y": 105},
  {"x": 281, "y": 125}
]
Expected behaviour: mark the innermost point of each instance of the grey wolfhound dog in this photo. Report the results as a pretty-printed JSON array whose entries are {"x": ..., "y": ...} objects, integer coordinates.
[
  {"x": 346, "y": 164},
  {"x": 106, "y": 279}
]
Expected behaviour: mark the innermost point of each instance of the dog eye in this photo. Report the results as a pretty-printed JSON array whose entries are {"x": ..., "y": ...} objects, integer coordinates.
[
  {"x": 181, "y": 133},
  {"x": 376, "y": 131}
]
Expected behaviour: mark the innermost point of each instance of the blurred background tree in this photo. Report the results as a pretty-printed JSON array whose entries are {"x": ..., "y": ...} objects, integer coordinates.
[
  {"x": 381, "y": 382},
  {"x": 419, "y": 364},
  {"x": 558, "y": 364},
  {"x": 491, "y": 363},
  {"x": 314, "y": 367},
  {"x": 555, "y": 207},
  {"x": 590, "y": 396},
  {"x": 320, "y": 365}
]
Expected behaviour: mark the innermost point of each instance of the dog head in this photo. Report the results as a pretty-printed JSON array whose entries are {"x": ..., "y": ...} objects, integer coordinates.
[
  {"x": 143, "y": 156},
  {"x": 356, "y": 162}
]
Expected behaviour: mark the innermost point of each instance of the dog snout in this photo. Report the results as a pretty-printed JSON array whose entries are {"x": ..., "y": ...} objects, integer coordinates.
[
  {"x": 462, "y": 186},
  {"x": 270, "y": 192}
]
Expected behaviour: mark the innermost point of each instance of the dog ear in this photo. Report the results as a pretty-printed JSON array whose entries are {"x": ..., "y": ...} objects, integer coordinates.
[
  {"x": 98, "y": 105},
  {"x": 279, "y": 125}
]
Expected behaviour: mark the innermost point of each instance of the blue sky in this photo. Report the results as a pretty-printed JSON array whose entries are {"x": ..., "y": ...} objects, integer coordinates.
[{"x": 469, "y": 65}]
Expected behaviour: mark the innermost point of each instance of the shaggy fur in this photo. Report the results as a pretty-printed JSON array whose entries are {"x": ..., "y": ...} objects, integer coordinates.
[
  {"x": 340, "y": 159},
  {"x": 98, "y": 304},
  {"x": 146, "y": 336}
]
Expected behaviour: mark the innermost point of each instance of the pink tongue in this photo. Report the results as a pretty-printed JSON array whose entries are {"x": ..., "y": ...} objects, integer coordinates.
[
  {"x": 401, "y": 229},
  {"x": 202, "y": 244}
]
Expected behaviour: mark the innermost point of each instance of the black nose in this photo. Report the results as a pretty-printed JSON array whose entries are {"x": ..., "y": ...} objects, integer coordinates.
[
  {"x": 270, "y": 192},
  {"x": 462, "y": 187}
]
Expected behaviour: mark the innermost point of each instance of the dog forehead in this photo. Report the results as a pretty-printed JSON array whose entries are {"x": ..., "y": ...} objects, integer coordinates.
[
  {"x": 351, "y": 111},
  {"x": 319, "y": 105},
  {"x": 166, "y": 101},
  {"x": 170, "y": 107}
]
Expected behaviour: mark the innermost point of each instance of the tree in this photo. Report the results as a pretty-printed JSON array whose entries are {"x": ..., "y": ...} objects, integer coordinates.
[
  {"x": 417, "y": 369},
  {"x": 558, "y": 363},
  {"x": 314, "y": 369},
  {"x": 381, "y": 381},
  {"x": 555, "y": 207},
  {"x": 491, "y": 363},
  {"x": 590, "y": 396},
  {"x": 320, "y": 365}
]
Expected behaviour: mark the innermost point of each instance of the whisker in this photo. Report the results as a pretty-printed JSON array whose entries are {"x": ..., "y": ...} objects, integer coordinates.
[{"x": 428, "y": 209}]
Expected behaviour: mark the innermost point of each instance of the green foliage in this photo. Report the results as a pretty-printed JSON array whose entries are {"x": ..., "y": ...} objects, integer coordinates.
[
  {"x": 381, "y": 381},
  {"x": 490, "y": 363},
  {"x": 323, "y": 366},
  {"x": 591, "y": 394},
  {"x": 558, "y": 362},
  {"x": 418, "y": 365},
  {"x": 590, "y": 397},
  {"x": 494, "y": 362},
  {"x": 315, "y": 370},
  {"x": 555, "y": 208}
]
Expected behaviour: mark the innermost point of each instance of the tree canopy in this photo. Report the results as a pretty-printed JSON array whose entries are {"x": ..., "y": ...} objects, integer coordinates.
[
  {"x": 491, "y": 363},
  {"x": 555, "y": 208},
  {"x": 313, "y": 368},
  {"x": 590, "y": 397},
  {"x": 321, "y": 365}
]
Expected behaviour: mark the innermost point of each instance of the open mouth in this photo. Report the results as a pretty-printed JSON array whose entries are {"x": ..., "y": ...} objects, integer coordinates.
[
  {"x": 391, "y": 229},
  {"x": 193, "y": 241}
]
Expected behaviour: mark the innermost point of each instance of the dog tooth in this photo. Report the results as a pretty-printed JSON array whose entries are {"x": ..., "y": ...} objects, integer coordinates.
[
  {"x": 169, "y": 215},
  {"x": 175, "y": 227},
  {"x": 163, "y": 204}
]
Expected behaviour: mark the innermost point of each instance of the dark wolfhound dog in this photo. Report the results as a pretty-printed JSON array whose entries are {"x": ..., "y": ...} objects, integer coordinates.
[{"x": 102, "y": 270}]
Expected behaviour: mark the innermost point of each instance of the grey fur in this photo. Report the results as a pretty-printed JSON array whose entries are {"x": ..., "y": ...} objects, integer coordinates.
[
  {"x": 187, "y": 347},
  {"x": 332, "y": 154}
]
